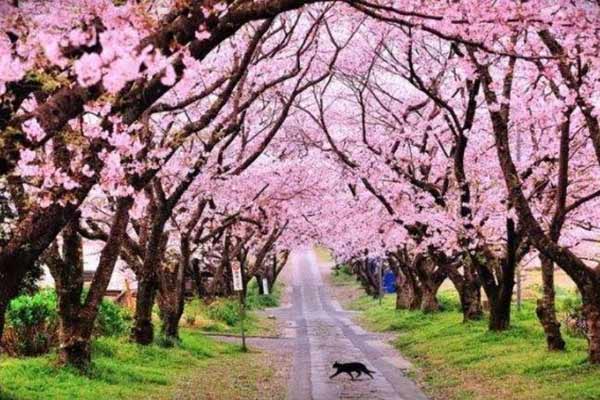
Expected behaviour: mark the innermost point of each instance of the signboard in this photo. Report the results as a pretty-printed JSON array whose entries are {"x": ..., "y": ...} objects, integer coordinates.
[
  {"x": 265, "y": 284},
  {"x": 236, "y": 271}
]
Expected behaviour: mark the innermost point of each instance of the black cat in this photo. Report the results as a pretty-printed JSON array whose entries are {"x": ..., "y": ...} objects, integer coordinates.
[{"x": 349, "y": 368}]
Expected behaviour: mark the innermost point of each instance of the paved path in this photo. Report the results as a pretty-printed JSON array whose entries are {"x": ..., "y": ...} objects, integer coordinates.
[{"x": 324, "y": 333}]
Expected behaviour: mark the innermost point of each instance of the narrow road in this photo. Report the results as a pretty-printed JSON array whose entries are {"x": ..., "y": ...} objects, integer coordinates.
[{"x": 323, "y": 333}]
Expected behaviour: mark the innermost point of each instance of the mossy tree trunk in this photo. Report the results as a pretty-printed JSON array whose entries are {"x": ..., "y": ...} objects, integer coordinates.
[
  {"x": 143, "y": 328},
  {"x": 77, "y": 315},
  {"x": 546, "y": 308}
]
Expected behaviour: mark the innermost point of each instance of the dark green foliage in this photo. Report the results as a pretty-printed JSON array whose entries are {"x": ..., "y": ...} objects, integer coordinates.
[
  {"x": 574, "y": 321},
  {"x": 256, "y": 301},
  {"x": 342, "y": 275},
  {"x": 113, "y": 320},
  {"x": 32, "y": 310},
  {"x": 32, "y": 323},
  {"x": 226, "y": 310}
]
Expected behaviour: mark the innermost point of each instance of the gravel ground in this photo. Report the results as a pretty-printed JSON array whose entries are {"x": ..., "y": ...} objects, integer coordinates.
[{"x": 251, "y": 376}]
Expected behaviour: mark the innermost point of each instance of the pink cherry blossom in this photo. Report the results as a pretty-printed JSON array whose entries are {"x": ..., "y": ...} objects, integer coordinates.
[
  {"x": 34, "y": 130},
  {"x": 89, "y": 69}
]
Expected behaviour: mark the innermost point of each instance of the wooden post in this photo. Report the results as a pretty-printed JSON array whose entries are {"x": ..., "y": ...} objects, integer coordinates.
[
  {"x": 242, "y": 317},
  {"x": 380, "y": 282},
  {"x": 237, "y": 273},
  {"x": 519, "y": 288}
]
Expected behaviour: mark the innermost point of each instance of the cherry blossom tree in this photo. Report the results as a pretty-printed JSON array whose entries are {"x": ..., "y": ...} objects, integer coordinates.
[{"x": 453, "y": 138}]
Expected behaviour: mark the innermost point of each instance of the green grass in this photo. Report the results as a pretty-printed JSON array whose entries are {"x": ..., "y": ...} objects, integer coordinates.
[
  {"x": 342, "y": 277},
  {"x": 466, "y": 361},
  {"x": 223, "y": 315},
  {"x": 121, "y": 370}
]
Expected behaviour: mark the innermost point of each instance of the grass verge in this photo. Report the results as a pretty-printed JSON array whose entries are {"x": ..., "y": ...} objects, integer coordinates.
[
  {"x": 122, "y": 370},
  {"x": 465, "y": 361},
  {"x": 342, "y": 277}
]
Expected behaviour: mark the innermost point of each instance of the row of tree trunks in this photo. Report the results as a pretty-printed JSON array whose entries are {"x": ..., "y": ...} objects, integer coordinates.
[
  {"x": 271, "y": 271},
  {"x": 39, "y": 227},
  {"x": 587, "y": 279},
  {"x": 417, "y": 282},
  {"x": 367, "y": 273}
]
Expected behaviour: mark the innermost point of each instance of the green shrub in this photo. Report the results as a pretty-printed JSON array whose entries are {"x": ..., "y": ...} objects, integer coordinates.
[
  {"x": 344, "y": 269},
  {"x": 32, "y": 322},
  {"x": 570, "y": 302},
  {"x": 574, "y": 321},
  {"x": 256, "y": 301},
  {"x": 342, "y": 275},
  {"x": 26, "y": 310},
  {"x": 113, "y": 320},
  {"x": 226, "y": 310},
  {"x": 449, "y": 301}
]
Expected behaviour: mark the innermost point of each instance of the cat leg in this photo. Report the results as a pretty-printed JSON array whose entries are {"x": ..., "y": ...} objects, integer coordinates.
[
  {"x": 336, "y": 374},
  {"x": 350, "y": 373}
]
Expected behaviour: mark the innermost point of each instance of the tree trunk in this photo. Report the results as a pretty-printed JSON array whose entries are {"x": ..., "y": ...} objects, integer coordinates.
[
  {"x": 471, "y": 296},
  {"x": 499, "y": 317},
  {"x": 471, "y": 302},
  {"x": 75, "y": 343},
  {"x": 367, "y": 277},
  {"x": 591, "y": 312},
  {"x": 171, "y": 311},
  {"x": 31, "y": 238},
  {"x": 171, "y": 293},
  {"x": 497, "y": 276},
  {"x": 469, "y": 290},
  {"x": 74, "y": 329},
  {"x": 277, "y": 267},
  {"x": 586, "y": 278},
  {"x": 429, "y": 302},
  {"x": 429, "y": 280},
  {"x": 499, "y": 296},
  {"x": 259, "y": 281},
  {"x": 195, "y": 270},
  {"x": 143, "y": 329},
  {"x": 408, "y": 295},
  {"x": 546, "y": 310},
  {"x": 170, "y": 325},
  {"x": 3, "y": 307},
  {"x": 9, "y": 288},
  {"x": 77, "y": 315}
]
